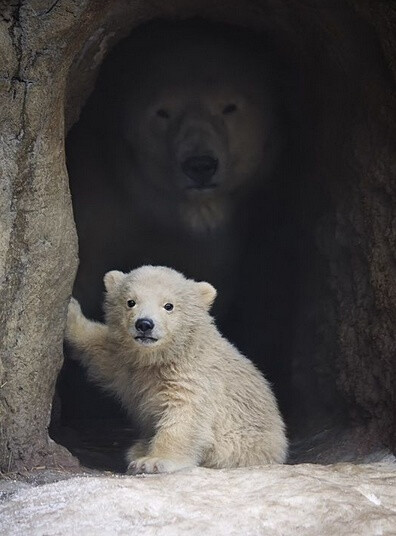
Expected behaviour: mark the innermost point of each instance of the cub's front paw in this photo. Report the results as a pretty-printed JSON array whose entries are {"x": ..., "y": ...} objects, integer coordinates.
[
  {"x": 137, "y": 450},
  {"x": 151, "y": 465},
  {"x": 74, "y": 315}
]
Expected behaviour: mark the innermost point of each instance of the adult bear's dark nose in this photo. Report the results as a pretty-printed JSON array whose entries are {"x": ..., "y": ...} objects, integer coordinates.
[
  {"x": 200, "y": 169},
  {"x": 144, "y": 324}
]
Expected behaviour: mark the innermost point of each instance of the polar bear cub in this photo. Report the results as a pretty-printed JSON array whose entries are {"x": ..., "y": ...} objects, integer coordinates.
[{"x": 197, "y": 399}]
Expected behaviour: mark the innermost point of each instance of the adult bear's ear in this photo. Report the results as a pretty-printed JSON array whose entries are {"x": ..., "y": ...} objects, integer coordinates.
[
  {"x": 113, "y": 279},
  {"x": 207, "y": 292}
]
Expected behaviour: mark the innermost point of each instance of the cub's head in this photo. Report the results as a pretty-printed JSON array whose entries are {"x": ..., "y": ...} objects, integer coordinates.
[{"x": 153, "y": 306}]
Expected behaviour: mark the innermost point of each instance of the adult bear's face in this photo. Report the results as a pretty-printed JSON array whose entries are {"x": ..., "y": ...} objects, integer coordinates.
[{"x": 200, "y": 127}]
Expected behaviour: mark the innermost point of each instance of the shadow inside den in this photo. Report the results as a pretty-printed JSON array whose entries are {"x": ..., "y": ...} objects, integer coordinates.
[{"x": 201, "y": 148}]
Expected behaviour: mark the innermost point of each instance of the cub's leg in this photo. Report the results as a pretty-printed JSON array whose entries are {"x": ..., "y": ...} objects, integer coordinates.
[
  {"x": 82, "y": 333},
  {"x": 137, "y": 450},
  {"x": 90, "y": 340},
  {"x": 177, "y": 444}
]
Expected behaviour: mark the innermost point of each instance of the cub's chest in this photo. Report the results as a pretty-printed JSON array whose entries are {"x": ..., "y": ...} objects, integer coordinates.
[
  {"x": 147, "y": 383},
  {"x": 155, "y": 389}
]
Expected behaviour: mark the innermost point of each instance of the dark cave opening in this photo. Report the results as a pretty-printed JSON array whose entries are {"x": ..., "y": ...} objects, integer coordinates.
[{"x": 281, "y": 260}]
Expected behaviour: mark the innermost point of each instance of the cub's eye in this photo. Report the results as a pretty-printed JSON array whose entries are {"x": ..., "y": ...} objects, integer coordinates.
[
  {"x": 162, "y": 113},
  {"x": 131, "y": 303},
  {"x": 229, "y": 109},
  {"x": 168, "y": 306}
]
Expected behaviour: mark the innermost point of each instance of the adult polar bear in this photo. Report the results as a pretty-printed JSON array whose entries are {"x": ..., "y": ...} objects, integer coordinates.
[{"x": 180, "y": 133}]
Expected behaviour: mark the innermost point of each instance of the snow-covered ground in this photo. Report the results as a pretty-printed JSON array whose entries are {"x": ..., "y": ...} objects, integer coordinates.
[{"x": 332, "y": 500}]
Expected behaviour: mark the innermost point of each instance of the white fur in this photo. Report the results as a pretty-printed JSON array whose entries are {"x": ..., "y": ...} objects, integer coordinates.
[{"x": 198, "y": 400}]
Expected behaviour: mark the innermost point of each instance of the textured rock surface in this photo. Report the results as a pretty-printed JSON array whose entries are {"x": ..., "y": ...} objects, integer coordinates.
[
  {"x": 49, "y": 55},
  {"x": 38, "y": 240},
  {"x": 296, "y": 500}
]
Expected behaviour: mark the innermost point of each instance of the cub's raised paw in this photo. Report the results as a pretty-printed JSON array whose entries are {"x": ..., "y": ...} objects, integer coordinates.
[
  {"x": 149, "y": 465},
  {"x": 73, "y": 311},
  {"x": 74, "y": 315}
]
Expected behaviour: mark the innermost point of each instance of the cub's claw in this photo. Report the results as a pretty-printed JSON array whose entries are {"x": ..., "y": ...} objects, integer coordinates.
[{"x": 149, "y": 465}]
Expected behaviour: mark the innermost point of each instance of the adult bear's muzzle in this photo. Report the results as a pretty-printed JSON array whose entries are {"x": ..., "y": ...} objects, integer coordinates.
[{"x": 200, "y": 169}]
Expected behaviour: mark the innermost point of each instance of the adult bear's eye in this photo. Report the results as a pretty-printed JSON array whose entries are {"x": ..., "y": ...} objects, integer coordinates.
[
  {"x": 163, "y": 113},
  {"x": 131, "y": 303},
  {"x": 168, "y": 306},
  {"x": 229, "y": 109}
]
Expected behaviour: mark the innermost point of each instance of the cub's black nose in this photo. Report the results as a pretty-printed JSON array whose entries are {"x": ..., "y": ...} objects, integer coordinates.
[
  {"x": 200, "y": 169},
  {"x": 144, "y": 324}
]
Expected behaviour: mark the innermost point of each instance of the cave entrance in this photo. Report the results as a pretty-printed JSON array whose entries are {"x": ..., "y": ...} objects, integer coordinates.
[{"x": 300, "y": 273}]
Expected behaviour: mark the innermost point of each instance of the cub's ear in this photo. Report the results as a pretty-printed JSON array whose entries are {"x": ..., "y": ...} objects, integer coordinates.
[
  {"x": 113, "y": 279},
  {"x": 207, "y": 292}
]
